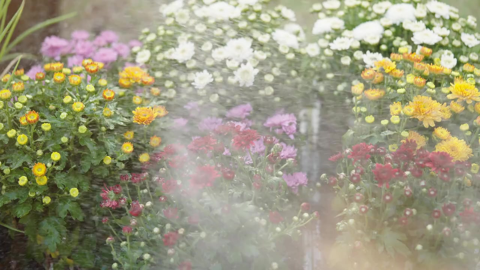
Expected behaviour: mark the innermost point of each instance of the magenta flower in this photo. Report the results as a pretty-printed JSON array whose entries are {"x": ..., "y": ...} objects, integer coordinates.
[
  {"x": 105, "y": 55},
  {"x": 209, "y": 124},
  {"x": 109, "y": 36},
  {"x": 84, "y": 48},
  {"x": 258, "y": 146},
  {"x": 283, "y": 123},
  {"x": 179, "y": 123},
  {"x": 53, "y": 47},
  {"x": 135, "y": 43},
  {"x": 122, "y": 49},
  {"x": 99, "y": 41},
  {"x": 80, "y": 35},
  {"x": 75, "y": 60},
  {"x": 295, "y": 180},
  {"x": 240, "y": 111},
  {"x": 288, "y": 151},
  {"x": 34, "y": 70}
]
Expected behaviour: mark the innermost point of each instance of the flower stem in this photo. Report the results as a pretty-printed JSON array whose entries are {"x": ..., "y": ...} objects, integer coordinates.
[{"x": 11, "y": 228}]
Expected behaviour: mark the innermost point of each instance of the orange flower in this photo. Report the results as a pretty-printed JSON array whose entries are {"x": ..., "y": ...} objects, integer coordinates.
[
  {"x": 358, "y": 89},
  {"x": 32, "y": 117},
  {"x": 39, "y": 169},
  {"x": 435, "y": 69},
  {"x": 134, "y": 74},
  {"x": 477, "y": 107},
  {"x": 23, "y": 121},
  {"x": 155, "y": 91},
  {"x": 92, "y": 68},
  {"x": 87, "y": 62},
  {"x": 426, "y": 51},
  {"x": 368, "y": 74},
  {"x": 19, "y": 72},
  {"x": 53, "y": 66},
  {"x": 75, "y": 80},
  {"x": 108, "y": 94},
  {"x": 378, "y": 78},
  {"x": 385, "y": 65},
  {"x": 6, "y": 78},
  {"x": 464, "y": 91},
  {"x": 144, "y": 115},
  {"x": 374, "y": 94},
  {"x": 419, "y": 66},
  {"x": 137, "y": 100},
  {"x": 468, "y": 68},
  {"x": 397, "y": 73},
  {"x": 160, "y": 111},
  {"x": 59, "y": 77},
  {"x": 147, "y": 80},
  {"x": 125, "y": 83},
  {"x": 78, "y": 106},
  {"x": 18, "y": 87},
  {"x": 155, "y": 141},
  {"x": 426, "y": 110},
  {"x": 40, "y": 76},
  {"x": 128, "y": 135},
  {"x": 396, "y": 57},
  {"x": 419, "y": 82},
  {"x": 413, "y": 57},
  {"x": 127, "y": 148}
]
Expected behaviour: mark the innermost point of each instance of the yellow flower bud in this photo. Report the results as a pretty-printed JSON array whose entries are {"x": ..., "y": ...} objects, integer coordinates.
[
  {"x": 393, "y": 147},
  {"x": 102, "y": 82},
  {"x": 11, "y": 133},
  {"x": 41, "y": 180},
  {"x": 22, "y": 139},
  {"x": 22, "y": 181},
  {"x": 395, "y": 119},
  {"x": 46, "y": 200},
  {"x": 46, "y": 126},
  {"x": 55, "y": 156},
  {"x": 145, "y": 157},
  {"x": 107, "y": 160},
  {"x": 369, "y": 119},
  {"x": 74, "y": 192},
  {"x": 90, "y": 88},
  {"x": 405, "y": 133},
  {"x": 464, "y": 127},
  {"x": 67, "y": 99},
  {"x": 474, "y": 168},
  {"x": 410, "y": 78}
]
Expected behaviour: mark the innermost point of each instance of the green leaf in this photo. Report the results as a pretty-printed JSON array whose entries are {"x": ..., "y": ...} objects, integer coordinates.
[
  {"x": 19, "y": 158},
  {"x": 101, "y": 171},
  {"x": 215, "y": 266},
  {"x": 52, "y": 229},
  {"x": 4, "y": 138},
  {"x": 89, "y": 143},
  {"x": 84, "y": 258},
  {"x": 393, "y": 242},
  {"x": 387, "y": 133},
  {"x": 21, "y": 210},
  {"x": 85, "y": 164},
  {"x": 67, "y": 205},
  {"x": 16, "y": 193}
]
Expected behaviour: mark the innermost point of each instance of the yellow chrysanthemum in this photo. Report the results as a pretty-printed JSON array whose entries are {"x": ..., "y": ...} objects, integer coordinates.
[
  {"x": 5, "y": 94},
  {"x": 22, "y": 181},
  {"x": 435, "y": 69},
  {"x": 464, "y": 91},
  {"x": 477, "y": 107},
  {"x": 74, "y": 80},
  {"x": 457, "y": 149},
  {"x": 108, "y": 94},
  {"x": 127, "y": 148},
  {"x": 134, "y": 74},
  {"x": 160, "y": 111},
  {"x": 386, "y": 65},
  {"x": 441, "y": 133},
  {"x": 78, "y": 106},
  {"x": 145, "y": 157},
  {"x": 22, "y": 139},
  {"x": 59, "y": 77},
  {"x": 18, "y": 87},
  {"x": 23, "y": 121},
  {"x": 456, "y": 107},
  {"x": 74, "y": 192},
  {"x": 128, "y": 135},
  {"x": 41, "y": 180},
  {"x": 55, "y": 156},
  {"x": 144, "y": 115},
  {"x": 419, "y": 139},
  {"x": 393, "y": 147},
  {"x": 137, "y": 100},
  {"x": 107, "y": 112},
  {"x": 374, "y": 94},
  {"x": 155, "y": 141},
  {"x": 395, "y": 108},
  {"x": 426, "y": 110},
  {"x": 39, "y": 169},
  {"x": 408, "y": 110},
  {"x": 32, "y": 117},
  {"x": 155, "y": 91}
]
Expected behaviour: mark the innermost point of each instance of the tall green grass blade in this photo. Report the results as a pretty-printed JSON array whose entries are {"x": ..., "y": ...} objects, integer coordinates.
[{"x": 15, "y": 20}]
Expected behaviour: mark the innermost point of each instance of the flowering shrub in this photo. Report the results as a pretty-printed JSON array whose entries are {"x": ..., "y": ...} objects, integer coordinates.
[
  {"x": 361, "y": 33},
  {"x": 62, "y": 132},
  {"x": 228, "y": 53},
  {"x": 224, "y": 199},
  {"x": 414, "y": 206}
]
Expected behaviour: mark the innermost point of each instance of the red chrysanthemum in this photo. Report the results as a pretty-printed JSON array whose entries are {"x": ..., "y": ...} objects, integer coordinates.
[
  {"x": 202, "y": 144},
  {"x": 135, "y": 209},
  {"x": 470, "y": 216},
  {"x": 336, "y": 157},
  {"x": 245, "y": 138},
  {"x": 177, "y": 161},
  {"x": 275, "y": 217},
  {"x": 204, "y": 176},
  {"x": 185, "y": 266},
  {"x": 227, "y": 129},
  {"x": 138, "y": 177},
  {"x": 169, "y": 186},
  {"x": 405, "y": 152},
  {"x": 439, "y": 161},
  {"x": 448, "y": 209},
  {"x": 171, "y": 213},
  {"x": 360, "y": 152},
  {"x": 383, "y": 174},
  {"x": 170, "y": 239}
]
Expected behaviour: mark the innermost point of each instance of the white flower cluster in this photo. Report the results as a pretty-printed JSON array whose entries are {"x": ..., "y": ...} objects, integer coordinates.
[
  {"x": 226, "y": 50},
  {"x": 367, "y": 31}
]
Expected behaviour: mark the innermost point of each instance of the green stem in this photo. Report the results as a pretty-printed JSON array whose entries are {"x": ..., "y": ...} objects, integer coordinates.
[{"x": 11, "y": 228}]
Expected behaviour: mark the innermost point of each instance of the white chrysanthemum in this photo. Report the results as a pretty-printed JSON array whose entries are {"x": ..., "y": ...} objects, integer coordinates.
[
  {"x": 470, "y": 40},
  {"x": 288, "y": 14},
  {"x": 295, "y": 29},
  {"x": 312, "y": 49},
  {"x": 171, "y": 8},
  {"x": 426, "y": 36},
  {"x": 219, "y": 54},
  {"x": 368, "y": 29},
  {"x": 283, "y": 37},
  {"x": 416, "y": 26},
  {"x": 381, "y": 7},
  {"x": 182, "y": 16},
  {"x": 184, "y": 51},
  {"x": 331, "y": 4},
  {"x": 439, "y": 9},
  {"x": 245, "y": 75},
  {"x": 239, "y": 49},
  {"x": 247, "y": 2},
  {"x": 221, "y": 11},
  {"x": 351, "y": 3},
  {"x": 327, "y": 25},
  {"x": 401, "y": 12},
  {"x": 441, "y": 31},
  {"x": 448, "y": 60},
  {"x": 202, "y": 79},
  {"x": 208, "y": 2},
  {"x": 341, "y": 44},
  {"x": 370, "y": 58},
  {"x": 143, "y": 56}
]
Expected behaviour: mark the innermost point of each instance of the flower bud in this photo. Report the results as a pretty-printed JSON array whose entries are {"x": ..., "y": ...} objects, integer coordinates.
[{"x": 110, "y": 240}]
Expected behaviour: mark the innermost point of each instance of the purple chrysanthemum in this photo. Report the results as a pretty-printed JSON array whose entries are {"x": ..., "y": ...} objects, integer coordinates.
[
  {"x": 295, "y": 180},
  {"x": 209, "y": 124},
  {"x": 34, "y": 70},
  {"x": 109, "y": 36},
  {"x": 75, "y": 60},
  {"x": 135, "y": 43},
  {"x": 84, "y": 48},
  {"x": 179, "y": 123},
  {"x": 105, "y": 55},
  {"x": 283, "y": 123},
  {"x": 122, "y": 49},
  {"x": 80, "y": 35},
  {"x": 288, "y": 151},
  {"x": 53, "y": 46},
  {"x": 240, "y": 111}
]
